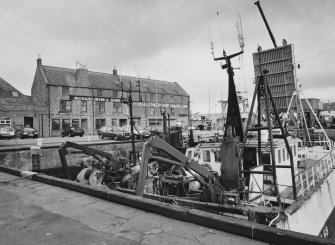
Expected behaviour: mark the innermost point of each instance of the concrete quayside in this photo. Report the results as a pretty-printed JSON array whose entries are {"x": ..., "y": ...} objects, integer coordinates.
[{"x": 12, "y": 162}]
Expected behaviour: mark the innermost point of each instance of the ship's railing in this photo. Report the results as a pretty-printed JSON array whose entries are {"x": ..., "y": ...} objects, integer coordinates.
[
  {"x": 318, "y": 143},
  {"x": 314, "y": 174}
]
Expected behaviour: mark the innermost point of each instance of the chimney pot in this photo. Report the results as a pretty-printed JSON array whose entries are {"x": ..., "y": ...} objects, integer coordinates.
[
  {"x": 39, "y": 60},
  {"x": 114, "y": 71}
]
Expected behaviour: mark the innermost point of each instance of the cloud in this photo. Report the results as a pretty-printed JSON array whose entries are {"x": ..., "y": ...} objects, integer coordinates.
[{"x": 167, "y": 40}]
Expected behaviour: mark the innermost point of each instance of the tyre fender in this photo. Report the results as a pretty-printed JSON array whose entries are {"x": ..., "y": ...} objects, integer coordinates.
[{"x": 153, "y": 167}]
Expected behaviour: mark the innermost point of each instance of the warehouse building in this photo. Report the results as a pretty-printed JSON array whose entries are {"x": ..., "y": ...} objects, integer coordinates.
[{"x": 86, "y": 99}]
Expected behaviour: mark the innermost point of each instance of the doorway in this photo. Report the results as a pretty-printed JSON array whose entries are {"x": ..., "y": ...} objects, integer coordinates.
[{"x": 28, "y": 122}]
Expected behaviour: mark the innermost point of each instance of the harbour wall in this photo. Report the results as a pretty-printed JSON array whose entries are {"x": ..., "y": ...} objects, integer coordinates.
[{"x": 48, "y": 156}]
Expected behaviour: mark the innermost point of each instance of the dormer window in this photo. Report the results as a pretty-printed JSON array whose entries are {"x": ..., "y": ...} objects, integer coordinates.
[
  {"x": 65, "y": 91},
  {"x": 99, "y": 92},
  {"x": 15, "y": 94}
]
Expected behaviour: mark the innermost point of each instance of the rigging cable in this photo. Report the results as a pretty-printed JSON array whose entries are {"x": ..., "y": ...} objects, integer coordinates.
[{"x": 219, "y": 22}]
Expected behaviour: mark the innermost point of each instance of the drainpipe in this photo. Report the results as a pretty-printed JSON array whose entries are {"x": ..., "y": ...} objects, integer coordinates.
[
  {"x": 92, "y": 110},
  {"x": 49, "y": 128},
  {"x": 188, "y": 111}
]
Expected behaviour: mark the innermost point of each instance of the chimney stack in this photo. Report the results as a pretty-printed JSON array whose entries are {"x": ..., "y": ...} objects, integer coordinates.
[
  {"x": 82, "y": 77},
  {"x": 39, "y": 60},
  {"x": 114, "y": 71}
]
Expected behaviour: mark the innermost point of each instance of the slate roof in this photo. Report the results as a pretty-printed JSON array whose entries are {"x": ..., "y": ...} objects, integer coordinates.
[
  {"x": 67, "y": 77},
  {"x": 6, "y": 89},
  {"x": 8, "y": 99}
]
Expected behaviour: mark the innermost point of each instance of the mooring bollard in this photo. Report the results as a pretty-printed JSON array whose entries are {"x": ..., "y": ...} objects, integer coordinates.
[
  {"x": 36, "y": 157},
  {"x": 36, "y": 162}
]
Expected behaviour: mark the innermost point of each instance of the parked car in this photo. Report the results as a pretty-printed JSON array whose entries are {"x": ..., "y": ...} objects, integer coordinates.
[
  {"x": 7, "y": 132},
  {"x": 138, "y": 132},
  {"x": 116, "y": 133},
  {"x": 154, "y": 130},
  {"x": 28, "y": 132},
  {"x": 73, "y": 132}
]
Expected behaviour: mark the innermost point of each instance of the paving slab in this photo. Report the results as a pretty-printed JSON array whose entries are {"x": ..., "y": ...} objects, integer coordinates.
[{"x": 36, "y": 213}]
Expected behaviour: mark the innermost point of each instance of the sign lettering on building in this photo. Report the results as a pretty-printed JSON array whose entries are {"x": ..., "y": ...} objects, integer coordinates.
[
  {"x": 85, "y": 98},
  {"x": 118, "y": 100}
]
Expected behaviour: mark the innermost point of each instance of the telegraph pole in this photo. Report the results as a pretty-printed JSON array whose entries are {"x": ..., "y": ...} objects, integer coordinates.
[{"x": 129, "y": 101}]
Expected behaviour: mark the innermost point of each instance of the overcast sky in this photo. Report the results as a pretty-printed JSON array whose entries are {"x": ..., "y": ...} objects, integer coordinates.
[{"x": 167, "y": 40}]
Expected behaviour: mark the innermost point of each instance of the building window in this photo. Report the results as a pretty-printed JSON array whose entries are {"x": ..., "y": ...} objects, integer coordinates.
[
  {"x": 75, "y": 123},
  {"x": 171, "y": 112},
  {"x": 65, "y": 124},
  {"x": 55, "y": 126},
  {"x": 83, "y": 106},
  {"x": 182, "y": 115},
  {"x": 115, "y": 94},
  {"x": 65, "y": 105},
  {"x": 65, "y": 91},
  {"x": 99, "y": 92},
  {"x": 171, "y": 98},
  {"x": 114, "y": 122},
  {"x": 5, "y": 121},
  {"x": 284, "y": 154},
  {"x": 152, "y": 111},
  {"x": 100, "y": 106},
  {"x": 84, "y": 123},
  {"x": 15, "y": 94},
  {"x": 279, "y": 156},
  {"x": 99, "y": 123},
  {"x": 117, "y": 107}
]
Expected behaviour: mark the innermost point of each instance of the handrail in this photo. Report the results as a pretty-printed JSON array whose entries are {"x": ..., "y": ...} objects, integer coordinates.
[{"x": 315, "y": 173}]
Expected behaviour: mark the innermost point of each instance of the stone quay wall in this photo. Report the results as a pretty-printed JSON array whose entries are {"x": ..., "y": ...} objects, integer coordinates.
[{"x": 48, "y": 155}]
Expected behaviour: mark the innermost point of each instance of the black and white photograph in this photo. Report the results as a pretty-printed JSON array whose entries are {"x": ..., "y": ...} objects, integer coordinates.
[{"x": 167, "y": 122}]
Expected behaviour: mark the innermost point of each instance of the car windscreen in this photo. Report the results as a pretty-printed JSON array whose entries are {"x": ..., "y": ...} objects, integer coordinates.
[
  {"x": 29, "y": 129},
  {"x": 7, "y": 130}
]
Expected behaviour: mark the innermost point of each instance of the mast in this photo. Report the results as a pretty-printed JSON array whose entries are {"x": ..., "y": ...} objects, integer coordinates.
[{"x": 234, "y": 121}]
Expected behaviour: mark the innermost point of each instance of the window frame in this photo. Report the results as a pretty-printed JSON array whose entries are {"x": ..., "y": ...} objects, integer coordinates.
[
  {"x": 52, "y": 125},
  {"x": 65, "y": 91},
  {"x": 99, "y": 122},
  {"x": 65, "y": 105},
  {"x": 99, "y": 92},
  {"x": 100, "y": 106},
  {"x": 83, "y": 106},
  {"x": 75, "y": 123}
]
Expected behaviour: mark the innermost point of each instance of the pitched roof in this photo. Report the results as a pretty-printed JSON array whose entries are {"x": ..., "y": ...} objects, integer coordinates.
[
  {"x": 68, "y": 77},
  {"x": 10, "y": 96},
  {"x": 6, "y": 89}
]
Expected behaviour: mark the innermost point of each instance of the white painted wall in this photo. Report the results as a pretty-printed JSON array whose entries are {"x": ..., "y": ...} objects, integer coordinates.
[{"x": 313, "y": 212}]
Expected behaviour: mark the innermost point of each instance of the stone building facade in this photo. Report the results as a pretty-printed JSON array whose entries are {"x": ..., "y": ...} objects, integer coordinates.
[
  {"x": 85, "y": 99},
  {"x": 18, "y": 110}
]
